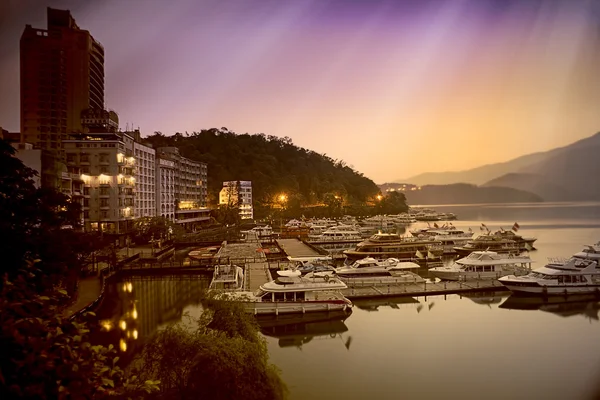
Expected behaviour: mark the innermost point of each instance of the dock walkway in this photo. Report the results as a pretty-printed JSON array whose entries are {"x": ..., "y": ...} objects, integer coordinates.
[
  {"x": 297, "y": 248},
  {"x": 424, "y": 289}
]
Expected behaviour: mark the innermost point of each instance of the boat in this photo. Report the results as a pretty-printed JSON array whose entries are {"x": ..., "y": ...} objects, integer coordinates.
[
  {"x": 339, "y": 233},
  {"x": 370, "y": 270},
  {"x": 293, "y": 293},
  {"x": 227, "y": 278},
  {"x": 558, "y": 277},
  {"x": 314, "y": 266},
  {"x": 524, "y": 243},
  {"x": 257, "y": 233},
  {"x": 445, "y": 229},
  {"x": 381, "y": 221},
  {"x": 386, "y": 245},
  {"x": 489, "y": 242},
  {"x": 591, "y": 251},
  {"x": 483, "y": 265}
]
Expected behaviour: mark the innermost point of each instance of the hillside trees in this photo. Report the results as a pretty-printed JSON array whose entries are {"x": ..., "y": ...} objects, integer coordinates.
[{"x": 274, "y": 165}]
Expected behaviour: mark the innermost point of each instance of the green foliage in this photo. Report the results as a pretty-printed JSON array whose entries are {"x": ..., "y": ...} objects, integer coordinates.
[
  {"x": 274, "y": 165},
  {"x": 45, "y": 355},
  {"x": 392, "y": 203},
  {"x": 149, "y": 228},
  {"x": 222, "y": 357}
]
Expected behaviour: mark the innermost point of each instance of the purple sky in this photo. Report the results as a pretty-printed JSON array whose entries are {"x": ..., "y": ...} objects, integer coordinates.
[{"x": 394, "y": 88}]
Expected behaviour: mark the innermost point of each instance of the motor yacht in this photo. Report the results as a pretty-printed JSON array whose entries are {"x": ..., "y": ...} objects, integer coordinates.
[
  {"x": 489, "y": 242},
  {"x": 483, "y": 265},
  {"x": 293, "y": 293},
  {"x": 390, "y": 270},
  {"x": 227, "y": 278},
  {"x": 386, "y": 245},
  {"x": 558, "y": 277},
  {"x": 339, "y": 233},
  {"x": 591, "y": 251},
  {"x": 524, "y": 243}
]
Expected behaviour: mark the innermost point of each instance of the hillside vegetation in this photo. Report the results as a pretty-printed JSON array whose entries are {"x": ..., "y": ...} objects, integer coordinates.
[{"x": 274, "y": 165}]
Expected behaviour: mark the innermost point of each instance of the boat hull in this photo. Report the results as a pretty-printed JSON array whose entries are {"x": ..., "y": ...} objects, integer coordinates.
[
  {"x": 550, "y": 290},
  {"x": 461, "y": 276}
]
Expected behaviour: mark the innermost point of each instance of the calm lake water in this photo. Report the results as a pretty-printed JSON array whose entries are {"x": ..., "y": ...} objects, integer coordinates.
[{"x": 485, "y": 346}]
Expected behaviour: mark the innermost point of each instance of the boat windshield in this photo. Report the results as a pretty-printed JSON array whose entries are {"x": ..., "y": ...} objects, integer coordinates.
[{"x": 259, "y": 293}]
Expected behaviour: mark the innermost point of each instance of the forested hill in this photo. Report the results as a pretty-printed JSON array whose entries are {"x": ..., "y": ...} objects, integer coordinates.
[{"x": 274, "y": 165}]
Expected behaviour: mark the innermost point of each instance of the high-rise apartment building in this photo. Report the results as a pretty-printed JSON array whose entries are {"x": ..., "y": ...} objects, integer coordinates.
[
  {"x": 62, "y": 75},
  {"x": 238, "y": 194}
]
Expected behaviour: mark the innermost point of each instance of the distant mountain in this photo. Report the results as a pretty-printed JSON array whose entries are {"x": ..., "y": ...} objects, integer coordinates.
[
  {"x": 463, "y": 193},
  {"x": 565, "y": 173},
  {"x": 534, "y": 183},
  {"x": 486, "y": 173}
]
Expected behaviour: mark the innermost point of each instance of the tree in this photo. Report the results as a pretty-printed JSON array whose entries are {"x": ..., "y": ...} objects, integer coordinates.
[
  {"x": 32, "y": 222},
  {"x": 223, "y": 357},
  {"x": 149, "y": 228}
]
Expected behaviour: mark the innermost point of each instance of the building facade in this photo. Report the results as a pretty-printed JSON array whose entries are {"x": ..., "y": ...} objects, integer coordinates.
[
  {"x": 145, "y": 198},
  {"x": 189, "y": 188},
  {"x": 108, "y": 171},
  {"x": 238, "y": 194},
  {"x": 62, "y": 74},
  {"x": 165, "y": 188}
]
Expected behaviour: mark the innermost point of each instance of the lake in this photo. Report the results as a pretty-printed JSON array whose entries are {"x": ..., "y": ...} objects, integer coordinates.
[{"x": 485, "y": 346}]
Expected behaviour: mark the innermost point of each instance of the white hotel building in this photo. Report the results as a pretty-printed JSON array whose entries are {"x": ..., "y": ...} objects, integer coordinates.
[{"x": 238, "y": 194}]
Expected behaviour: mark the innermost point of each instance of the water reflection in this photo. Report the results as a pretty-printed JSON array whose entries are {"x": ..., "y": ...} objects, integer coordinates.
[
  {"x": 392, "y": 302},
  {"x": 587, "y": 306},
  {"x": 299, "y": 330},
  {"x": 485, "y": 298},
  {"x": 136, "y": 307}
]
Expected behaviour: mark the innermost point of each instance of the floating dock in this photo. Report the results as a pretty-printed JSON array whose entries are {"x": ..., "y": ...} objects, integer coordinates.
[{"x": 424, "y": 288}]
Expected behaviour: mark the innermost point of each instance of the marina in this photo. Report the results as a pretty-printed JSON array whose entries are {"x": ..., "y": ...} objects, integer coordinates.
[{"x": 435, "y": 326}]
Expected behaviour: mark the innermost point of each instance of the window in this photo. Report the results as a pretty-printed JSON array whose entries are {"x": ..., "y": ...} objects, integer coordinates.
[
  {"x": 103, "y": 202},
  {"x": 86, "y": 191}
]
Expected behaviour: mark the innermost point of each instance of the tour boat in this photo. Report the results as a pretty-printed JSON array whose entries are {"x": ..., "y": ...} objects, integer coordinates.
[
  {"x": 435, "y": 230},
  {"x": 483, "y": 265},
  {"x": 387, "y": 271},
  {"x": 572, "y": 276},
  {"x": 386, "y": 245},
  {"x": 491, "y": 243},
  {"x": 227, "y": 278},
  {"x": 293, "y": 293},
  {"x": 381, "y": 221}
]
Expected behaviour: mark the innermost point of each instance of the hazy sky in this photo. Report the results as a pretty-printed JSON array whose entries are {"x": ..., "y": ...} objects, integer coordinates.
[{"x": 394, "y": 88}]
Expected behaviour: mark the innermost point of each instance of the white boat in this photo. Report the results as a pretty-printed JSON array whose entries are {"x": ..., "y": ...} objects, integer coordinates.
[
  {"x": 368, "y": 269},
  {"x": 379, "y": 221},
  {"x": 257, "y": 233},
  {"x": 340, "y": 233},
  {"x": 483, "y": 265},
  {"x": 591, "y": 251},
  {"x": 558, "y": 277},
  {"x": 292, "y": 293},
  {"x": 227, "y": 278}
]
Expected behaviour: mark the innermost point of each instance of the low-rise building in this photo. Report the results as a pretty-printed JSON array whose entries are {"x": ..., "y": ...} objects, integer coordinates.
[{"x": 238, "y": 194}]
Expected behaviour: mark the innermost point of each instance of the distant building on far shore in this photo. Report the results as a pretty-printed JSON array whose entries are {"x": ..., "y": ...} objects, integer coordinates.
[{"x": 238, "y": 194}]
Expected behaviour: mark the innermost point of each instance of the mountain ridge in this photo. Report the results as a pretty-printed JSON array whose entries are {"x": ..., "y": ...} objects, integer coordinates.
[{"x": 485, "y": 173}]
